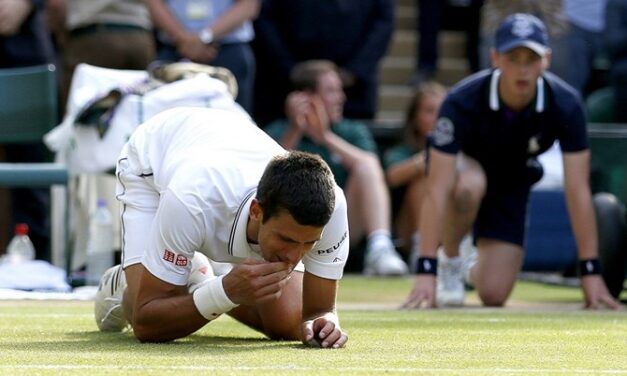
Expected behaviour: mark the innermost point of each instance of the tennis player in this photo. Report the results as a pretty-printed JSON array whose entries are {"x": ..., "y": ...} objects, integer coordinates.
[{"x": 218, "y": 218}]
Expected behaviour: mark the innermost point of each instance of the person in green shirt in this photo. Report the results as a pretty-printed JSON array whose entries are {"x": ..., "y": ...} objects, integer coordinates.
[
  {"x": 404, "y": 163},
  {"x": 315, "y": 123}
]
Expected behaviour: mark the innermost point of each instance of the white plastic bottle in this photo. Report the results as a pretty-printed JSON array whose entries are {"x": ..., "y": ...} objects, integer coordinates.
[
  {"x": 99, "y": 243},
  {"x": 20, "y": 248}
]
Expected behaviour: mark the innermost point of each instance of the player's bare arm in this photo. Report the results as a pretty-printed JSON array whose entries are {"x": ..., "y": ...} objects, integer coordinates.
[
  {"x": 440, "y": 184},
  {"x": 162, "y": 311},
  {"x": 321, "y": 325},
  {"x": 579, "y": 202}
]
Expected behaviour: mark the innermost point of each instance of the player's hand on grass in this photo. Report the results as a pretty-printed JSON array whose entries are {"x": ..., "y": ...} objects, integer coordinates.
[
  {"x": 256, "y": 281},
  {"x": 324, "y": 332},
  {"x": 596, "y": 294},
  {"x": 423, "y": 294}
]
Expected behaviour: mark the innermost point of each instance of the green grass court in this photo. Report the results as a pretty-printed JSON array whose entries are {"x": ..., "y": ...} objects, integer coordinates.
[{"x": 542, "y": 331}]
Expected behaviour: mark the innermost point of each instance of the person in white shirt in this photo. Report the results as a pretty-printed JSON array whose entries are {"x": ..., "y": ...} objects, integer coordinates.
[{"x": 202, "y": 189}]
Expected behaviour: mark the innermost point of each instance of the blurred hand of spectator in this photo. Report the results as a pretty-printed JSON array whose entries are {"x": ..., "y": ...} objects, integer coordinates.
[
  {"x": 318, "y": 122},
  {"x": 296, "y": 106},
  {"x": 12, "y": 15}
]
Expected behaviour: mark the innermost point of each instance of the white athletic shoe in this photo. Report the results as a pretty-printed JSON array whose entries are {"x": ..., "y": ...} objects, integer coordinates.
[
  {"x": 108, "y": 302},
  {"x": 468, "y": 252},
  {"x": 450, "y": 288},
  {"x": 384, "y": 262}
]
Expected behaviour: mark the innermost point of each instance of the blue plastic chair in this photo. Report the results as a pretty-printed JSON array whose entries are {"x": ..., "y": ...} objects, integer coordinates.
[{"x": 28, "y": 110}]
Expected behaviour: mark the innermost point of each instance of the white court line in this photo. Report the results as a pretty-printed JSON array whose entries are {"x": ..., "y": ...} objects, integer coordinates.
[{"x": 333, "y": 369}]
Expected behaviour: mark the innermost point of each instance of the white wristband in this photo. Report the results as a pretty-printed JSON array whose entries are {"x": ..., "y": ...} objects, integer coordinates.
[{"x": 211, "y": 300}]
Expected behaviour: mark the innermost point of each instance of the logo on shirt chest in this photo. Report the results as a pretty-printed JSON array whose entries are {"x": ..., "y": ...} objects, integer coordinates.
[{"x": 534, "y": 145}]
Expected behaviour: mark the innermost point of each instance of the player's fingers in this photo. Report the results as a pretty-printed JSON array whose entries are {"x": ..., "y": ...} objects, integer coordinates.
[
  {"x": 592, "y": 304},
  {"x": 610, "y": 302},
  {"x": 267, "y": 268},
  {"x": 266, "y": 292},
  {"x": 309, "y": 338},
  {"x": 324, "y": 328},
  {"x": 341, "y": 342},
  {"x": 331, "y": 339},
  {"x": 414, "y": 301},
  {"x": 307, "y": 329},
  {"x": 411, "y": 303}
]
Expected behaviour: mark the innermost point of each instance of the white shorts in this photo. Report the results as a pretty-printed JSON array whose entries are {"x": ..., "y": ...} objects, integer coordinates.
[{"x": 140, "y": 199}]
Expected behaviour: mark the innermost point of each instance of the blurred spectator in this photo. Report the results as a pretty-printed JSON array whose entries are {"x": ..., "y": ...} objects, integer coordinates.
[
  {"x": 405, "y": 163},
  {"x": 431, "y": 17},
  {"x": 315, "y": 123},
  {"x": 25, "y": 41},
  {"x": 616, "y": 39},
  {"x": 428, "y": 22},
  {"x": 583, "y": 42},
  {"x": 106, "y": 33},
  {"x": 354, "y": 34},
  {"x": 214, "y": 32}
]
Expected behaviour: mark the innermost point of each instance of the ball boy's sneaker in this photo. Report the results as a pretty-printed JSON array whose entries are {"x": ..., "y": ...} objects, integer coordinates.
[
  {"x": 450, "y": 287},
  {"x": 108, "y": 303},
  {"x": 384, "y": 262}
]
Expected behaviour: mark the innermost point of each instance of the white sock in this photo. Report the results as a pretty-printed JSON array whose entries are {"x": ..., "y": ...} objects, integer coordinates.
[{"x": 444, "y": 258}]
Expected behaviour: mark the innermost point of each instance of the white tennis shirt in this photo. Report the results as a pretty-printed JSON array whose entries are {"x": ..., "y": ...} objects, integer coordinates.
[{"x": 206, "y": 164}]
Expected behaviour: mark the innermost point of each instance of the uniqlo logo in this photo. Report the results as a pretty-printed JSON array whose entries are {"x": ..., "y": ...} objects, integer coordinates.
[
  {"x": 181, "y": 260},
  {"x": 168, "y": 256}
]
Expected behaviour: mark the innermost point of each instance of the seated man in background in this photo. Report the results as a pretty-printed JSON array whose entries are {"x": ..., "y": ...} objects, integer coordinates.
[
  {"x": 205, "y": 186},
  {"x": 315, "y": 124}
]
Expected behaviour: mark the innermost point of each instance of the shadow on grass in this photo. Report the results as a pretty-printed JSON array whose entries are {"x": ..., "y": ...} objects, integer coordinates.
[{"x": 86, "y": 341}]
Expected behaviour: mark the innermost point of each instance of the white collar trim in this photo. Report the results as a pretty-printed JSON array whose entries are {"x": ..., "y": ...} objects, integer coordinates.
[
  {"x": 494, "y": 92},
  {"x": 238, "y": 242}
]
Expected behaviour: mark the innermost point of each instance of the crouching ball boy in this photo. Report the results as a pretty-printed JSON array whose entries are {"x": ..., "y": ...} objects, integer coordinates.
[{"x": 217, "y": 218}]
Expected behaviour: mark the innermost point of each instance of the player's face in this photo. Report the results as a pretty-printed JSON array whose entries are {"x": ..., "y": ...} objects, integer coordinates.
[
  {"x": 427, "y": 113},
  {"x": 520, "y": 69},
  {"x": 332, "y": 93},
  {"x": 281, "y": 238}
]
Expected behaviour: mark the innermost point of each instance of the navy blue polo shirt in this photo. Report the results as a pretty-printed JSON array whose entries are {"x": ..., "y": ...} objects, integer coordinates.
[{"x": 475, "y": 121}]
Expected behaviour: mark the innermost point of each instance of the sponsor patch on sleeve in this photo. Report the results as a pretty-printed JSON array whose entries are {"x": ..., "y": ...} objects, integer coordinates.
[
  {"x": 178, "y": 260},
  {"x": 443, "y": 132}
]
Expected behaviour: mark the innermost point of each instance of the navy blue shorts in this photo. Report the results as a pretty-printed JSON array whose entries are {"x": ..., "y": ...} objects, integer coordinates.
[{"x": 503, "y": 214}]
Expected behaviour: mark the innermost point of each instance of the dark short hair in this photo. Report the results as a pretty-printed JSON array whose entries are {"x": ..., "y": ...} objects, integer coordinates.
[
  {"x": 304, "y": 75},
  {"x": 300, "y": 183}
]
